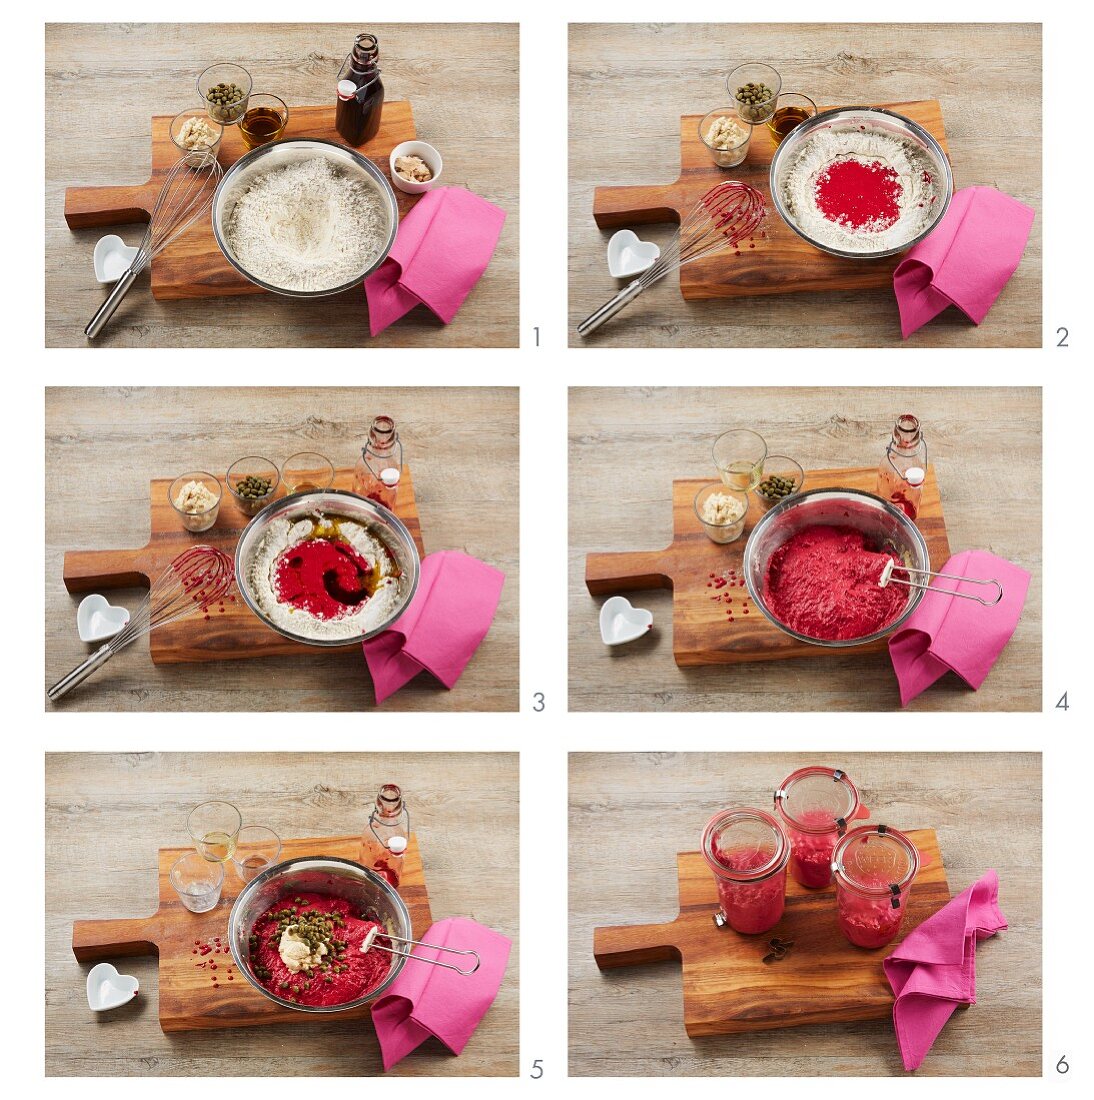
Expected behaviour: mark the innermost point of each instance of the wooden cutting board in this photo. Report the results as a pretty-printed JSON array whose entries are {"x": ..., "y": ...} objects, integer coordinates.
[
  {"x": 782, "y": 263},
  {"x": 702, "y": 633},
  {"x": 187, "y": 999},
  {"x": 729, "y": 989},
  {"x": 193, "y": 266},
  {"x": 233, "y": 633}
]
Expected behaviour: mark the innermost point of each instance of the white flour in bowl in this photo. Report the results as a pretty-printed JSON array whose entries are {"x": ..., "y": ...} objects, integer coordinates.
[
  {"x": 915, "y": 187},
  {"x": 307, "y": 226}
]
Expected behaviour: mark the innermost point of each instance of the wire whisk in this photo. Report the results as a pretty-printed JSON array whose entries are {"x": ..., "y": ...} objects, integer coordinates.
[
  {"x": 196, "y": 579},
  {"x": 186, "y": 195},
  {"x": 722, "y": 218},
  {"x": 369, "y": 943},
  {"x": 891, "y": 566}
]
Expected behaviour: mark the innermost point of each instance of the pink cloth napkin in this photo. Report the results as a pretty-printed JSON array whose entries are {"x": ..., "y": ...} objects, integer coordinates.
[
  {"x": 966, "y": 261},
  {"x": 934, "y": 969},
  {"x": 443, "y": 626},
  {"x": 440, "y": 252},
  {"x": 946, "y": 633},
  {"x": 429, "y": 1000}
]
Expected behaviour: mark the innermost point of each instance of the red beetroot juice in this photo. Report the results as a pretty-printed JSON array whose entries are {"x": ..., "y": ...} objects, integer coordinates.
[
  {"x": 874, "y": 869},
  {"x": 816, "y": 805},
  {"x": 747, "y": 852}
]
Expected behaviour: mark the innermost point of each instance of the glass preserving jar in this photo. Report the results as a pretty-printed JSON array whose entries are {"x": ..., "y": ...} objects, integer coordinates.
[
  {"x": 816, "y": 806},
  {"x": 747, "y": 852},
  {"x": 874, "y": 867}
]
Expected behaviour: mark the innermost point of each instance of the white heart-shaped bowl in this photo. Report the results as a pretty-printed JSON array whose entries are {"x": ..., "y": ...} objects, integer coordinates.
[
  {"x": 97, "y": 619},
  {"x": 620, "y": 622},
  {"x": 627, "y": 255},
  {"x": 112, "y": 258},
  {"x": 107, "y": 989}
]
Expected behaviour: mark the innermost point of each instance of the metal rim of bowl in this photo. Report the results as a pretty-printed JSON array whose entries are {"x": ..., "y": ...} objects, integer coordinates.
[
  {"x": 810, "y": 124},
  {"x": 377, "y": 177},
  {"x": 795, "y": 501},
  {"x": 278, "y": 869},
  {"x": 322, "y": 643}
]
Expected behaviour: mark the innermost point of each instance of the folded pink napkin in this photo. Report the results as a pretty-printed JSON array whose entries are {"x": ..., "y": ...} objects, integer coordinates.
[
  {"x": 440, "y": 252},
  {"x": 429, "y": 1000},
  {"x": 966, "y": 261},
  {"x": 946, "y": 633},
  {"x": 934, "y": 969},
  {"x": 443, "y": 626}
]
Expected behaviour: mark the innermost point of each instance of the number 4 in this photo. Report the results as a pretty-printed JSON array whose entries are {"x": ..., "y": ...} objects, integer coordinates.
[{"x": 1061, "y": 703}]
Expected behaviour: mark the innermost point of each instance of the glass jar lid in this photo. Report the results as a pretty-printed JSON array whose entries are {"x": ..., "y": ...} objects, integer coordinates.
[
  {"x": 875, "y": 860},
  {"x": 817, "y": 800},
  {"x": 745, "y": 845}
]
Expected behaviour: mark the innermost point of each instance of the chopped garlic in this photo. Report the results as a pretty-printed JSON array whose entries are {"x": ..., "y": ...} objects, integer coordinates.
[
  {"x": 196, "y": 133},
  {"x": 720, "y": 509},
  {"x": 724, "y": 133},
  {"x": 194, "y": 498}
]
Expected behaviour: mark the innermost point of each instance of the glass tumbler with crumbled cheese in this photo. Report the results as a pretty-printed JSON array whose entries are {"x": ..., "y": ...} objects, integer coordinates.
[
  {"x": 196, "y": 499},
  {"x": 725, "y": 136},
  {"x": 721, "y": 511}
]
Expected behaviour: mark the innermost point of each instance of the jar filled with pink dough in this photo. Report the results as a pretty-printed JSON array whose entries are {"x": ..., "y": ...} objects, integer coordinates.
[
  {"x": 873, "y": 866},
  {"x": 747, "y": 852},
  {"x": 816, "y": 806}
]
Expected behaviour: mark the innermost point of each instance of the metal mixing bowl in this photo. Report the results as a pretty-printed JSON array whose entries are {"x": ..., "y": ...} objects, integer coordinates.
[
  {"x": 885, "y": 527},
  {"x": 342, "y": 878},
  {"x": 854, "y": 118},
  {"x": 278, "y": 154},
  {"x": 385, "y": 525}
]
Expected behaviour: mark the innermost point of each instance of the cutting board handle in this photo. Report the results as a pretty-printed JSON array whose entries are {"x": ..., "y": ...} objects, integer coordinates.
[
  {"x": 634, "y": 945},
  {"x": 87, "y": 207},
  {"x": 631, "y": 571},
  {"x": 90, "y": 570},
  {"x": 621, "y": 206},
  {"x": 95, "y": 940}
]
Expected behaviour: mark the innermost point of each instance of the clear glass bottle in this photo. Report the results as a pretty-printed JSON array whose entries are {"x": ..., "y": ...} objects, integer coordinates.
[
  {"x": 816, "y": 806},
  {"x": 873, "y": 866},
  {"x": 380, "y": 466},
  {"x": 360, "y": 90},
  {"x": 747, "y": 852},
  {"x": 903, "y": 470},
  {"x": 384, "y": 843}
]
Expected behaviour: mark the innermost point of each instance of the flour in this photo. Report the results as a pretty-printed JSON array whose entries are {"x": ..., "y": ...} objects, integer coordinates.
[
  {"x": 919, "y": 192},
  {"x": 307, "y": 226}
]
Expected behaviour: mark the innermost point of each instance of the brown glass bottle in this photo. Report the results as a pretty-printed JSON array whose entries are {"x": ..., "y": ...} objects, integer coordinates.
[{"x": 360, "y": 92}]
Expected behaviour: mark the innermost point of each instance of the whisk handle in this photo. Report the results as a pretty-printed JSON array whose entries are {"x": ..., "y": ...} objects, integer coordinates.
[
  {"x": 79, "y": 674},
  {"x": 106, "y": 310},
  {"x": 609, "y": 309}
]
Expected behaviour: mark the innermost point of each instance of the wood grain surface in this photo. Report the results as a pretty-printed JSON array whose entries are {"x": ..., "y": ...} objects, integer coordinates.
[
  {"x": 724, "y": 626},
  {"x": 106, "y": 817},
  {"x": 186, "y": 997},
  {"x": 193, "y": 266},
  {"x": 103, "y": 445},
  {"x": 230, "y": 631},
  {"x": 107, "y": 80},
  {"x": 624, "y": 130},
  {"x": 730, "y": 990},
  {"x": 627, "y": 446},
  {"x": 630, "y": 813},
  {"x": 776, "y": 261}
]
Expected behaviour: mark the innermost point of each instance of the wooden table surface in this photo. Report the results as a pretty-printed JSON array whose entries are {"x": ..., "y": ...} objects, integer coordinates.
[
  {"x": 631, "y": 813},
  {"x": 106, "y": 817},
  {"x": 625, "y": 126},
  {"x": 104, "y": 445},
  {"x": 627, "y": 445},
  {"x": 106, "y": 81}
]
